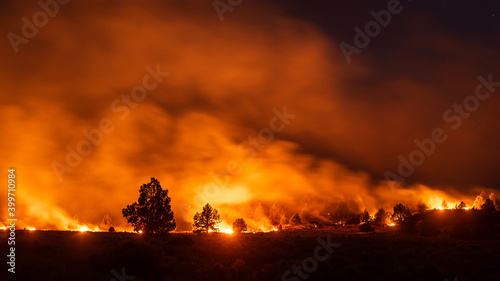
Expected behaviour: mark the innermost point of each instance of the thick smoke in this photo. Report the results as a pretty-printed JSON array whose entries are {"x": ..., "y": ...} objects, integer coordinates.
[{"x": 225, "y": 79}]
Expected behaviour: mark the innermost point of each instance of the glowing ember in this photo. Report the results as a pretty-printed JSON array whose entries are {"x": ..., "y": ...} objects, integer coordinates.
[
  {"x": 391, "y": 224},
  {"x": 140, "y": 232}
]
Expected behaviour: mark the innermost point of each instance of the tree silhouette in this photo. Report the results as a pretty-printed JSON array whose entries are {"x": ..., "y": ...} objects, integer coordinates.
[
  {"x": 365, "y": 217},
  {"x": 444, "y": 205},
  {"x": 208, "y": 219},
  {"x": 152, "y": 213},
  {"x": 380, "y": 217},
  {"x": 111, "y": 229},
  {"x": 461, "y": 206},
  {"x": 400, "y": 213},
  {"x": 239, "y": 225},
  {"x": 488, "y": 207}
]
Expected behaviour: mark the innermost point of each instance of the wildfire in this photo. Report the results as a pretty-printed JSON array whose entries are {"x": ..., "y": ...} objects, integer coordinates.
[
  {"x": 222, "y": 230},
  {"x": 84, "y": 229},
  {"x": 227, "y": 230},
  {"x": 264, "y": 218},
  {"x": 209, "y": 151}
]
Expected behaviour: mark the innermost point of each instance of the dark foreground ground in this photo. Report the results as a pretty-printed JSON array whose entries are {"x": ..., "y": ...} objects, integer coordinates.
[{"x": 384, "y": 255}]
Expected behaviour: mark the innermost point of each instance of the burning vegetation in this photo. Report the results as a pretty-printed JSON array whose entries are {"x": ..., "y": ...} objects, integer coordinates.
[
  {"x": 433, "y": 212},
  {"x": 430, "y": 214},
  {"x": 152, "y": 214}
]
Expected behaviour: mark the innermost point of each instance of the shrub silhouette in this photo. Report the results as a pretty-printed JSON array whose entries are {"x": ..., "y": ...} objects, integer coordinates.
[
  {"x": 152, "y": 213},
  {"x": 461, "y": 206},
  {"x": 401, "y": 212},
  {"x": 207, "y": 220},
  {"x": 380, "y": 217},
  {"x": 239, "y": 225},
  {"x": 111, "y": 229}
]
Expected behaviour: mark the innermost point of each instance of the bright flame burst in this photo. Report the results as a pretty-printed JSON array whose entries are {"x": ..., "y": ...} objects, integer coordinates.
[
  {"x": 31, "y": 228},
  {"x": 222, "y": 230},
  {"x": 227, "y": 231},
  {"x": 225, "y": 228},
  {"x": 86, "y": 228},
  {"x": 83, "y": 229}
]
